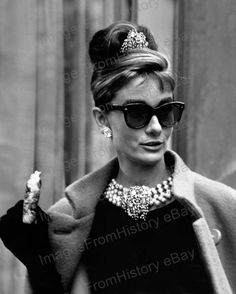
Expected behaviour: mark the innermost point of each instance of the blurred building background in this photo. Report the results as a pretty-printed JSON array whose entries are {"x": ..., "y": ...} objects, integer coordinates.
[{"x": 46, "y": 121}]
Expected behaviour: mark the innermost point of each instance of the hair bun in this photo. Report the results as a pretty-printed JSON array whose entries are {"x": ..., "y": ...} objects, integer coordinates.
[{"x": 107, "y": 42}]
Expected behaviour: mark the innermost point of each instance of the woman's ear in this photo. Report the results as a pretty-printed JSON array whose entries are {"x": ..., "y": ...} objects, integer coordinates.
[{"x": 100, "y": 117}]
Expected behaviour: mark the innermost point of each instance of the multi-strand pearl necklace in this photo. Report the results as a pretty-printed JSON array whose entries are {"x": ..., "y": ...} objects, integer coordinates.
[{"x": 137, "y": 200}]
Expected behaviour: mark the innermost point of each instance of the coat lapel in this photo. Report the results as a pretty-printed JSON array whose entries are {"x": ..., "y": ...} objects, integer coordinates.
[{"x": 71, "y": 220}]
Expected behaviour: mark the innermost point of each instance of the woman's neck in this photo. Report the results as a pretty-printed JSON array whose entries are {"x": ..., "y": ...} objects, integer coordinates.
[{"x": 131, "y": 174}]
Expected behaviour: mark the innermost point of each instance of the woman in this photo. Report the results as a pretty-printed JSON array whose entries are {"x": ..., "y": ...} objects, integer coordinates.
[{"x": 144, "y": 222}]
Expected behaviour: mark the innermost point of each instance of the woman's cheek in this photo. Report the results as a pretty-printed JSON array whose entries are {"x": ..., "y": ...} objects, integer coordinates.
[{"x": 126, "y": 141}]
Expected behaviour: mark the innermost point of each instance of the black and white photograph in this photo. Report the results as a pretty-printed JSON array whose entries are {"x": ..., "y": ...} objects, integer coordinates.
[{"x": 117, "y": 146}]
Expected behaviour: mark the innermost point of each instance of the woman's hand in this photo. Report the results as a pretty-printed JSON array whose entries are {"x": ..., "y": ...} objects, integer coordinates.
[
  {"x": 23, "y": 229},
  {"x": 25, "y": 241},
  {"x": 30, "y": 243}
]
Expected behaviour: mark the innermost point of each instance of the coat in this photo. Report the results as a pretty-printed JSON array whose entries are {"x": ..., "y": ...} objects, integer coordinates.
[{"x": 212, "y": 204}]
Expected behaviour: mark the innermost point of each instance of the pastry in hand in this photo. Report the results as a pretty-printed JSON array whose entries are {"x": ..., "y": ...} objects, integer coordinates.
[{"x": 31, "y": 199}]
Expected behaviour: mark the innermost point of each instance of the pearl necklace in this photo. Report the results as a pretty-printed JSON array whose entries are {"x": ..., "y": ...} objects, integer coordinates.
[{"x": 137, "y": 200}]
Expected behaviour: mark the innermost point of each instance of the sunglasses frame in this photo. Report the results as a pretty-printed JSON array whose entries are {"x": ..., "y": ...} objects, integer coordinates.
[{"x": 153, "y": 111}]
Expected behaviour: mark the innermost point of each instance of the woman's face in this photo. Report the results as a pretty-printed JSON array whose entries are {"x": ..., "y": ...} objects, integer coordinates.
[{"x": 128, "y": 142}]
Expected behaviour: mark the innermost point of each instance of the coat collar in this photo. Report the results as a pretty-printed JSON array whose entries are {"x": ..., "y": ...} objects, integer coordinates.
[{"x": 90, "y": 187}]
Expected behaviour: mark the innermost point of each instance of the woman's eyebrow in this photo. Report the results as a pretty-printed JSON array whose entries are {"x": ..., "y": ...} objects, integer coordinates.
[
  {"x": 134, "y": 101},
  {"x": 164, "y": 100}
]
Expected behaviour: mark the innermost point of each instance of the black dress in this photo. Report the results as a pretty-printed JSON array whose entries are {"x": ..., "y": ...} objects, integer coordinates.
[{"x": 159, "y": 255}]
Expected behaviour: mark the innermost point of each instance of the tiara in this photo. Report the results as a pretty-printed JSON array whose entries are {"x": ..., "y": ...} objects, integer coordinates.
[{"x": 134, "y": 40}]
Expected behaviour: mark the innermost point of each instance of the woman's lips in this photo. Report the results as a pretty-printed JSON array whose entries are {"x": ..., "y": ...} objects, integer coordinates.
[{"x": 152, "y": 146}]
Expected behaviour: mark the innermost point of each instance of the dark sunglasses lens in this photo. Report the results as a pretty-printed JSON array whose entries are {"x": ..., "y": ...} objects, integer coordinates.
[
  {"x": 137, "y": 115},
  {"x": 169, "y": 115}
]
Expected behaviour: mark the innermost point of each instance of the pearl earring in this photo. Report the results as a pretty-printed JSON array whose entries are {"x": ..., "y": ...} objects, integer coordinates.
[{"x": 107, "y": 132}]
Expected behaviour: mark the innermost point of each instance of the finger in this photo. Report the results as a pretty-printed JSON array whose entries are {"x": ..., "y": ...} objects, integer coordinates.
[{"x": 41, "y": 216}]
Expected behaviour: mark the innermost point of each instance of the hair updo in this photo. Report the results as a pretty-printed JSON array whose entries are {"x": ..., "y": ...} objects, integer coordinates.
[{"x": 113, "y": 69}]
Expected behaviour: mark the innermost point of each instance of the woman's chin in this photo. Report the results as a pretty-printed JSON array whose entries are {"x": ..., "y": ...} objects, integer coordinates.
[
  {"x": 146, "y": 158},
  {"x": 153, "y": 155},
  {"x": 152, "y": 159}
]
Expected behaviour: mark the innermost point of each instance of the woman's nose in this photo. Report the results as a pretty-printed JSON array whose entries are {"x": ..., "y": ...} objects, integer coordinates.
[{"x": 154, "y": 125}]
